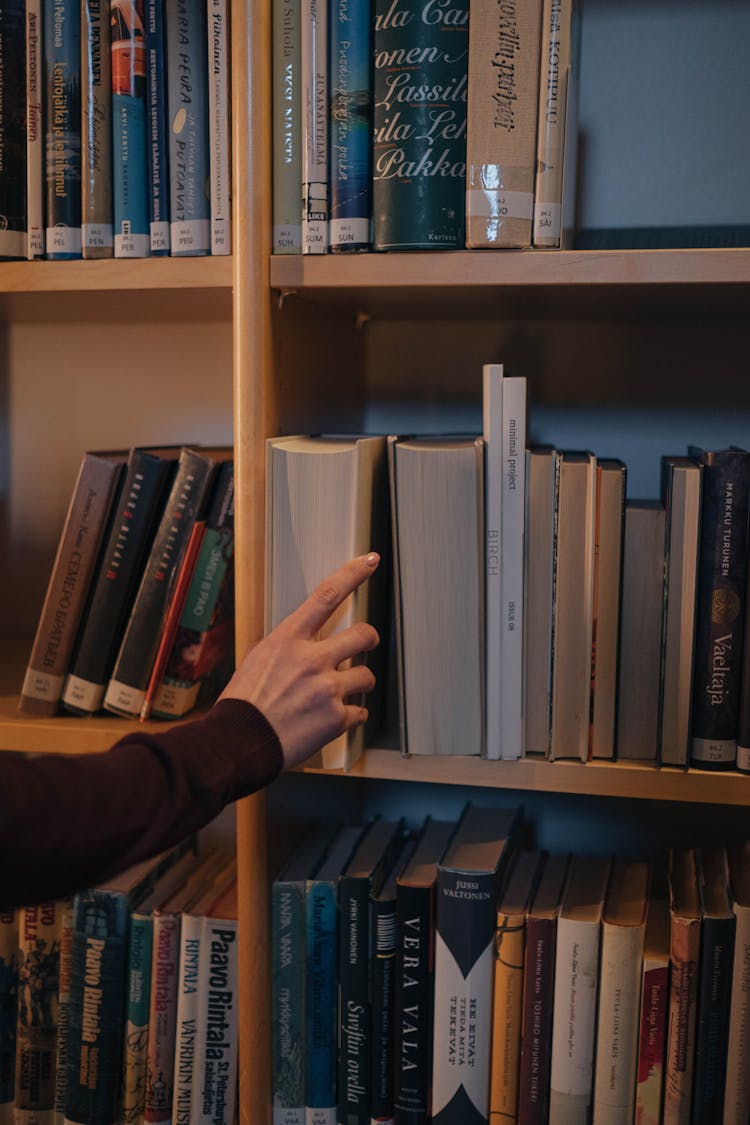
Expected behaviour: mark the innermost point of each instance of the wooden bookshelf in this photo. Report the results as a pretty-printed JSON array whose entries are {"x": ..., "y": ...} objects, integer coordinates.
[{"x": 116, "y": 276}]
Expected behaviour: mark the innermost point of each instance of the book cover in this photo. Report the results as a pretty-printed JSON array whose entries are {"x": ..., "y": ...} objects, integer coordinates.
[
  {"x": 737, "y": 1092},
  {"x": 492, "y": 431},
  {"x": 681, "y": 495},
  {"x": 67, "y": 917},
  {"x": 157, "y": 137},
  {"x": 314, "y": 125},
  {"x": 62, "y": 127},
  {"x": 162, "y": 1015},
  {"x": 507, "y": 998},
  {"x": 137, "y": 510},
  {"x": 557, "y": 94},
  {"x": 97, "y": 236},
  {"x": 219, "y": 127},
  {"x": 185, "y": 503},
  {"x": 9, "y": 960},
  {"x": 420, "y": 58},
  {"x": 129, "y": 144},
  {"x": 362, "y": 878},
  {"x": 85, "y": 524},
  {"x": 350, "y": 125},
  {"x": 501, "y": 123},
  {"x": 720, "y": 609},
  {"x": 13, "y": 119},
  {"x": 542, "y": 481},
  {"x": 684, "y": 952},
  {"x": 286, "y": 127},
  {"x": 468, "y": 883},
  {"x": 187, "y": 107},
  {"x": 35, "y": 156},
  {"x": 38, "y": 979},
  {"x": 653, "y": 1017},
  {"x": 605, "y": 642},
  {"x": 511, "y": 564},
  {"x": 414, "y": 976}
]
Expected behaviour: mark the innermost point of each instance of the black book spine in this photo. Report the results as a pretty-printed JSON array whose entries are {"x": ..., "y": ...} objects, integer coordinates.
[
  {"x": 383, "y": 946},
  {"x": 354, "y": 1001},
  {"x": 13, "y": 129},
  {"x": 743, "y": 726},
  {"x": 720, "y": 609},
  {"x": 415, "y": 963},
  {"x": 712, "y": 1030}
]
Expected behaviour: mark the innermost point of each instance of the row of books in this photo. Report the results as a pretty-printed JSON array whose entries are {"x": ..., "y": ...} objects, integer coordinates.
[
  {"x": 427, "y": 127},
  {"x": 458, "y": 977},
  {"x": 138, "y": 616},
  {"x": 539, "y": 610},
  {"x": 120, "y": 1004},
  {"x": 114, "y": 125}
]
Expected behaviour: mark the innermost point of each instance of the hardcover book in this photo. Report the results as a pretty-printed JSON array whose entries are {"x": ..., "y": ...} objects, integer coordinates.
[
  {"x": 157, "y": 137},
  {"x": 314, "y": 125},
  {"x": 35, "y": 156},
  {"x": 13, "y": 165},
  {"x": 219, "y": 127},
  {"x": 653, "y": 1019},
  {"x": 129, "y": 144},
  {"x": 469, "y": 880},
  {"x": 38, "y": 979},
  {"x": 350, "y": 127},
  {"x": 187, "y": 103},
  {"x": 286, "y": 127},
  {"x": 684, "y": 952},
  {"x": 97, "y": 16},
  {"x": 542, "y": 482},
  {"x": 419, "y": 157},
  {"x": 62, "y": 128},
  {"x": 605, "y": 644},
  {"x": 737, "y": 1092}
]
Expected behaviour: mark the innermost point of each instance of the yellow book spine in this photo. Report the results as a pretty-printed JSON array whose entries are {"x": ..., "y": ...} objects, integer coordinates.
[{"x": 510, "y": 942}]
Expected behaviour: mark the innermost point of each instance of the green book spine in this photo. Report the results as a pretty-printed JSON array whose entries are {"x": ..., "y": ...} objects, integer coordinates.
[{"x": 288, "y": 944}]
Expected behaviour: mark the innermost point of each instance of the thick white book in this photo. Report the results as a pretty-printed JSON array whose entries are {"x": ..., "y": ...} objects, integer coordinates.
[
  {"x": 737, "y": 1089},
  {"x": 219, "y": 132},
  {"x": 542, "y": 480},
  {"x": 511, "y": 564},
  {"x": 492, "y": 406},
  {"x": 314, "y": 92},
  {"x": 34, "y": 144}
]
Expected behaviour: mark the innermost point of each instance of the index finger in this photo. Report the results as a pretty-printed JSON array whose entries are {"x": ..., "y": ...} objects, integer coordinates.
[{"x": 312, "y": 615}]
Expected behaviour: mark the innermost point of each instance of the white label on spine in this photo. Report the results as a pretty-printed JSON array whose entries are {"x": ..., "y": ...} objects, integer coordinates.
[
  {"x": 191, "y": 237},
  {"x": 547, "y": 221},
  {"x": 40, "y": 685},
  {"x": 315, "y": 1115},
  {"x": 722, "y": 750},
  {"x": 346, "y": 231},
  {"x": 287, "y": 238},
  {"x": 743, "y": 759},
  {"x": 314, "y": 236},
  {"x": 83, "y": 693},
  {"x": 13, "y": 243},
  {"x": 63, "y": 240},
  {"x": 132, "y": 245},
  {"x": 497, "y": 204},
  {"x": 97, "y": 236},
  {"x": 123, "y": 698},
  {"x": 159, "y": 237},
  {"x": 221, "y": 236}
]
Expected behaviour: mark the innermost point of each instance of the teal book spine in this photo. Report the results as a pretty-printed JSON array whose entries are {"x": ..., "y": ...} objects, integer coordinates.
[
  {"x": 62, "y": 130},
  {"x": 140, "y": 945},
  {"x": 350, "y": 141},
  {"x": 321, "y": 1003},
  {"x": 419, "y": 127},
  {"x": 288, "y": 945},
  {"x": 187, "y": 102}
]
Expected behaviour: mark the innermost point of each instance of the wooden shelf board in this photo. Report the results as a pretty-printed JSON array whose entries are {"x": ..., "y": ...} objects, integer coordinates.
[
  {"x": 116, "y": 275},
  {"x": 636, "y": 779}
]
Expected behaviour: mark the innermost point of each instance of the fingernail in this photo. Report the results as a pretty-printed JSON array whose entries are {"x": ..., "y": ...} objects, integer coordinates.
[{"x": 372, "y": 559}]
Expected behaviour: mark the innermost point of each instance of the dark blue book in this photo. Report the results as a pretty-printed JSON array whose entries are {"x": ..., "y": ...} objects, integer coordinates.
[
  {"x": 62, "y": 127},
  {"x": 129, "y": 153},
  {"x": 13, "y": 213},
  {"x": 156, "y": 128},
  {"x": 187, "y": 103},
  {"x": 350, "y": 137}
]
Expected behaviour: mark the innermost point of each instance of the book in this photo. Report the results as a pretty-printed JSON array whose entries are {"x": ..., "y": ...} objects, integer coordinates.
[
  {"x": 714, "y": 986},
  {"x": 286, "y": 97},
  {"x": 684, "y": 952},
  {"x": 501, "y": 123},
  {"x": 681, "y": 496},
  {"x": 511, "y": 563},
  {"x": 576, "y": 991},
  {"x": 188, "y": 494},
  {"x": 573, "y": 607},
  {"x": 62, "y": 128},
  {"x": 326, "y": 502},
  {"x": 542, "y": 482},
  {"x": 314, "y": 125},
  {"x": 157, "y": 137},
  {"x": 219, "y": 127},
  {"x": 641, "y": 633},
  {"x": 13, "y": 118},
  {"x": 362, "y": 878},
  {"x": 9, "y": 959},
  {"x": 437, "y": 484},
  {"x": 130, "y": 178},
  {"x": 654, "y": 993},
  {"x": 419, "y": 158},
  {"x": 743, "y": 718},
  {"x": 558, "y": 89},
  {"x": 321, "y": 985},
  {"x": 65, "y": 966},
  {"x": 605, "y": 645},
  {"x": 139, "y": 505},
  {"x": 618, "y": 1015},
  {"x": 737, "y": 1090},
  {"x": 414, "y": 978},
  {"x": 38, "y": 979},
  {"x": 35, "y": 156},
  {"x": 187, "y": 108},
  {"x": 538, "y": 993},
  {"x": 468, "y": 884},
  {"x": 507, "y": 997},
  {"x": 492, "y": 432},
  {"x": 201, "y": 659},
  {"x": 350, "y": 125},
  {"x": 722, "y": 560},
  {"x": 93, "y": 495},
  {"x": 98, "y": 17}
]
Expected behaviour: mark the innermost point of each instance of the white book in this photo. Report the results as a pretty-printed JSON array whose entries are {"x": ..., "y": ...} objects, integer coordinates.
[
  {"x": 217, "y": 1023},
  {"x": 492, "y": 404},
  {"x": 542, "y": 479},
  {"x": 314, "y": 90},
  {"x": 556, "y": 121},
  {"x": 737, "y": 1089},
  {"x": 34, "y": 140},
  {"x": 219, "y": 133},
  {"x": 511, "y": 564}
]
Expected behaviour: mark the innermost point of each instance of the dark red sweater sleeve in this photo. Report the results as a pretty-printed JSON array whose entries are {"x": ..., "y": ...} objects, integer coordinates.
[{"x": 68, "y": 822}]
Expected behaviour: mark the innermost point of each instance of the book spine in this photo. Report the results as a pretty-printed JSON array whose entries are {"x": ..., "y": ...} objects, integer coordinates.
[
  {"x": 652, "y": 1041},
  {"x": 507, "y": 1002},
  {"x": 288, "y": 984},
  {"x": 188, "y": 1004},
  {"x": 501, "y": 123},
  {"x": 314, "y": 125},
  {"x": 605, "y": 643},
  {"x": 737, "y": 1093},
  {"x": 127, "y": 687},
  {"x": 38, "y": 977},
  {"x": 287, "y": 127},
  {"x": 720, "y": 611},
  {"x": 419, "y": 160},
  {"x": 97, "y": 239},
  {"x": 415, "y": 935},
  {"x": 492, "y": 402},
  {"x": 219, "y": 126},
  {"x": 13, "y": 155},
  {"x": 511, "y": 564},
  {"x": 354, "y": 1002},
  {"x": 683, "y": 994},
  {"x": 67, "y": 918},
  {"x": 140, "y": 947},
  {"x": 162, "y": 1019},
  {"x": 187, "y": 101},
  {"x": 129, "y": 147},
  {"x": 34, "y": 131},
  {"x": 574, "y": 1021},
  {"x": 128, "y": 540},
  {"x": 536, "y": 1030},
  {"x": 9, "y": 960},
  {"x": 712, "y": 1025},
  {"x": 321, "y": 1004},
  {"x": 743, "y": 718},
  {"x": 617, "y": 1024},
  {"x": 157, "y": 138},
  {"x": 218, "y": 1028},
  {"x": 557, "y": 54},
  {"x": 383, "y": 965},
  {"x": 350, "y": 141},
  {"x": 68, "y": 586},
  {"x": 464, "y": 941},
  {"x": 62, "y": 56}
]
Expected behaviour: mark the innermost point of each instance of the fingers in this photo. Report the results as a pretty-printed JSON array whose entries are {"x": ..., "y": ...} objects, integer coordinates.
[
  {"x": 312, "y": 615},
  {"x": 358, "y": 638},
  {"x": 355, "y": 681},
  {"x": 353, "y": 717}
]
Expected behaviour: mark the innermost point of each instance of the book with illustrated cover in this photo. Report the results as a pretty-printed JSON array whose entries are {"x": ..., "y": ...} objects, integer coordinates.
[
  {"x": 157, "y": 138},
  {"x": 97, "y": 237},
  {"x": 129, "y": 142},
  {"x": 36, "y": 1035},
  {"x": 314, "y": 125},
  {"x": 13, "y": 120},
  {"x": 286, "y": 127},
  {"x": 187, "y": 107},
  {"x": 62, "y": 128},
  {"x": 653, "y": 1020},
  {"x": 63, "y": 1007},
  {"x": 35, "y": 156},
  {"x": 219, "y": 127},
  {"x": 350, "y": 125},
  {"x": 684, "y": 954},
  {"x": 9, "y": 959}
]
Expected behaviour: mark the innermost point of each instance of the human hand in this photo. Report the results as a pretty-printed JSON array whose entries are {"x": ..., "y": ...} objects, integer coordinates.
[{"x": 295, "y": 679}]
